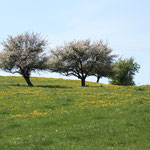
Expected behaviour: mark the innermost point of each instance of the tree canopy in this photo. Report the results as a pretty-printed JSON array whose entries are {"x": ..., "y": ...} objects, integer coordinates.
[
  {"x": 125, "y": 71},
  {"x": 23, "y": 54},
  {"x": 80, "y": 59}
]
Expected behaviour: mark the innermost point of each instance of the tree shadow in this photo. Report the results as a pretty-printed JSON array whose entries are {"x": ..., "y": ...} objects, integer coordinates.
[
  {"x": 93, "y": 86},
  {"x": 42, "y": 86},
  {"x": 53, "y": 86}
]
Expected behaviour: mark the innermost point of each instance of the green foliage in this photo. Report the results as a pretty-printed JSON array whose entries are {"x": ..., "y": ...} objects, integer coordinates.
[
  {"x": 125, "y": 71},
  {"x": 59, "y": 114}
]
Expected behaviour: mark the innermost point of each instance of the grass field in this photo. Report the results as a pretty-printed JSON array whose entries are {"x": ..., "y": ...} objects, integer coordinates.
[{"x": 59, "y": 114}]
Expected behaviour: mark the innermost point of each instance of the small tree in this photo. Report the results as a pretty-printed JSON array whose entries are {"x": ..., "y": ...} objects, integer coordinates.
[
  {"x": 79, "y": 58},
  {"x": 23, "y": 54},
  {"x": 104, "y": 70},
  {"x": 125, "y": 71}
]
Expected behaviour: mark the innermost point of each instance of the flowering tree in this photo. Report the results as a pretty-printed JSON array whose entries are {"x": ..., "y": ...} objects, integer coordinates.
[
  {"x": 80, "y": 59},
  {"x": 104, "y": 70},
  {"x": 23, "y": 54}
]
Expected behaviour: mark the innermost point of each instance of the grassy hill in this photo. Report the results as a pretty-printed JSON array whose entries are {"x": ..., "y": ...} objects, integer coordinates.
[{"x": 59, "y": 114}]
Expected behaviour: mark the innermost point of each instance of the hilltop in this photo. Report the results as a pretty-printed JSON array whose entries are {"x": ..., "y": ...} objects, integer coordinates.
[{"x": 60, "y": 114}]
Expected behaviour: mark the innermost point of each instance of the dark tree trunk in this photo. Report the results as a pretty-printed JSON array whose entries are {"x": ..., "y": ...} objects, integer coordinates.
[
  {"x": 98, "y": 79},
  {"x": 83, "y": 82},
  {"x": 27, "y": 78}
]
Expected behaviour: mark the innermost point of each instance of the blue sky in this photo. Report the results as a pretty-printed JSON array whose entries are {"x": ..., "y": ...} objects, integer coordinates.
[{"x": 124, "y": 24}]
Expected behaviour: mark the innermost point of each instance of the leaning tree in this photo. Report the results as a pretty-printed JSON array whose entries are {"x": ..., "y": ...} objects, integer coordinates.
[
  {"x": 23, "y": 54},
  {"x": 79, "y": 58}
]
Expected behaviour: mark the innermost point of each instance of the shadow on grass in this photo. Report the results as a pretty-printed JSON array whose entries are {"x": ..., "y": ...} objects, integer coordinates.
[
  {"x": 92, "y": 86},
  {"x": 53, "y": 86},
  {"x": 42, "y": 86}
]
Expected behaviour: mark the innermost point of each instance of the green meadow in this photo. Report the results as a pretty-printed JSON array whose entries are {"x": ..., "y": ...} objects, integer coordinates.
[{"x": 59, "y": 114}]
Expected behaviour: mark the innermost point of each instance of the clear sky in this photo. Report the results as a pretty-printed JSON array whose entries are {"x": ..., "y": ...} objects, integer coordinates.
[{"x": 124, "y": 24}]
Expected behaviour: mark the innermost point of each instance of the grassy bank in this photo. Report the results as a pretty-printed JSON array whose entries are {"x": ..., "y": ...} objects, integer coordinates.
[{"x": 59, "y": 114}]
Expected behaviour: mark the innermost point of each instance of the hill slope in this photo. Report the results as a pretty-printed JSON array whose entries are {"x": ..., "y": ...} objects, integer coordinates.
[{"x": 60, "y": 114}]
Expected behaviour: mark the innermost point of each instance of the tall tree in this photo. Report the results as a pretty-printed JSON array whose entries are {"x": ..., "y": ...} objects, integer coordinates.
[
  {"x": 125, "y": 71},
  {"x": 23, "y": 54},
  {"x": 79, "y": 58}
]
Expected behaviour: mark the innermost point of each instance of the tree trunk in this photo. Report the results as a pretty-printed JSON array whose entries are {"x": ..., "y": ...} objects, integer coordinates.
[
  {"x": 83, "y": 82},
  {"x": 27, "y": 78},
  {"x": 98, "y": 79}
]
